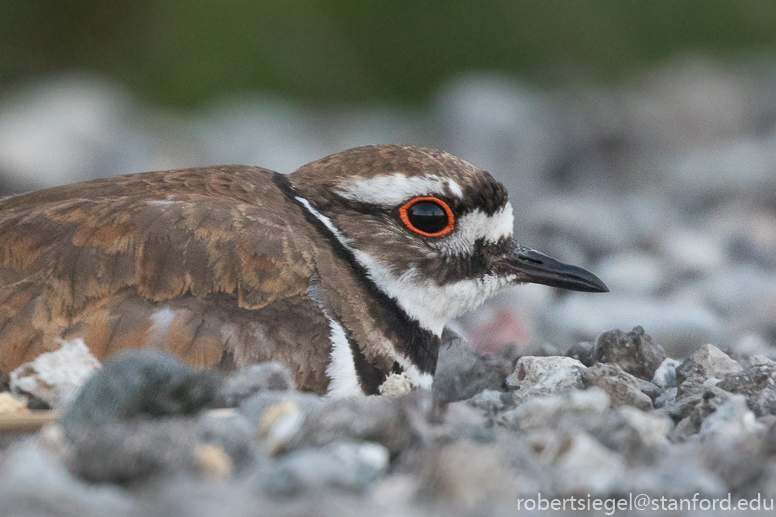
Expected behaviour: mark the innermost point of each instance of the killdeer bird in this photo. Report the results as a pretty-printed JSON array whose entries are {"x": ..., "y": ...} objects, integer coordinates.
[{"x": 346, "y": 270}]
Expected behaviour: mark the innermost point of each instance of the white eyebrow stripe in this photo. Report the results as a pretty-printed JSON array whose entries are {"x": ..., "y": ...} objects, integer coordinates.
[
  {"x": 479, "y": 225},
  {"x": 394, "y": 189}
]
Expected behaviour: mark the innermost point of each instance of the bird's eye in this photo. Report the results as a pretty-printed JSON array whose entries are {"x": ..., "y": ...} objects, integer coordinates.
[{"x": 428, "y": 216}]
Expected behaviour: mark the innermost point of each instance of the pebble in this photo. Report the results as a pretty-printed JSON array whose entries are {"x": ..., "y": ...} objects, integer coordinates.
[
  {"x": 623, "y": 388},
  {"x": 549, "y": 411},
  {"x": 635, "y": 352},
  {"x": 707, "y": 361},
  {"x": 340, "y": 465},
  {"x": 665, "y": 375},
  {"x": 540, "y": 376},
  {"x": 141, "y": 382},
  {"x": 240, "y": 385},
  {"x": 54, "y": 377}
]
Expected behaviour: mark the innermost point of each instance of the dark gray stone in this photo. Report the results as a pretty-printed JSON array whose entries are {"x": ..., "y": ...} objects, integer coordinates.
[
  {"x": 139, "y": 450},
  {"x": 583, "y": 351},
  {"x": 461, "y": 372},
  {"x": 141, "y": 383},
  {"x": 649, "y": 389},
  {"x": 241, "y": 384},
  {"x": 635, "y": 352}
]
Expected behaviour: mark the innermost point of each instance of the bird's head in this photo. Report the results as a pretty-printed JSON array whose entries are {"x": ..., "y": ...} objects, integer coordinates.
[{"x": 432, "y": 231}]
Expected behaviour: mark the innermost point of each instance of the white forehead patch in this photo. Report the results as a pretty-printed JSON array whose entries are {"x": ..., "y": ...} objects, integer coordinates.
[
  {"x": 479, "y": 225},
  {"x": 394, "y": 189}
]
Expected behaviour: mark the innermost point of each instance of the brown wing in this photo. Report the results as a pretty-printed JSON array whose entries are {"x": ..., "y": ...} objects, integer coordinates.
[{"x": 178, "y": 260}]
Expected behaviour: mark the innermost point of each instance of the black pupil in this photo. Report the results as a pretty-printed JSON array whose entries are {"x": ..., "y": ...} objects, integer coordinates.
[{"x": 427, "y": 217}]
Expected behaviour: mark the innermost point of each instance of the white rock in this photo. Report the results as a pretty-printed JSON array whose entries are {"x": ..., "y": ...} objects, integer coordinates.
[
  {"x": 529, "y": 369},
  {"x": 665, "y": 375},
  {"x": 55, "y": 377}
]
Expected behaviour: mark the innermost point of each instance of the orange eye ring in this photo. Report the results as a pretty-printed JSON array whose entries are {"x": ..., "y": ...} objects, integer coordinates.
[{"x": 405, "y": 217}]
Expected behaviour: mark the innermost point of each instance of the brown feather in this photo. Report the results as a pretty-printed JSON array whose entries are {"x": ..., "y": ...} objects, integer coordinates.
[{"x": 98, "y": 260}]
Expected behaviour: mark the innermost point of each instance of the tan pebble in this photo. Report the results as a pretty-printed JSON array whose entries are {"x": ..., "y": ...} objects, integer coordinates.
[
  {"x": 213, "y": 461},
  {"x": 10, "y": 404}
]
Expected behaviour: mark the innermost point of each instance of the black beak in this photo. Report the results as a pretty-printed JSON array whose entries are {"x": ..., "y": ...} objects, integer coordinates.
[{"x": 537, "y": 268}]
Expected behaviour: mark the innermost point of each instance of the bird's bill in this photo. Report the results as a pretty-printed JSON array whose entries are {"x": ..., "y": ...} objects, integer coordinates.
[{"x": 537, "y": 268}]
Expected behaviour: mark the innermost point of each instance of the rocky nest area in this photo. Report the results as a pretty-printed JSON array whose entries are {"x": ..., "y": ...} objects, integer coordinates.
[{"x": 610, "y": 421}]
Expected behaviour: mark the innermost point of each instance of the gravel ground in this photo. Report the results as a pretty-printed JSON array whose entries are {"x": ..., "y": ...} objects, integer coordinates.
[
  {"x": 662, "y": 185},
  {"x": 608, "y": 421}
]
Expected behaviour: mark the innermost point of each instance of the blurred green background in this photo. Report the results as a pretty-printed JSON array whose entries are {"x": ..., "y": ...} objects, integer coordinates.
[{"x": 183, "y": 53}]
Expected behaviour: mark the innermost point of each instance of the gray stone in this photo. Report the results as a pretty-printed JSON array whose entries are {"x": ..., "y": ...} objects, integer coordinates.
[
  {"x": 636, "y": 435},
  {"x": 707, "y": 361},
  {"x": 243, "y": 383},
  {"x": 461, "y": 372},
  {"x": 587, "y": 467},
  {"x": 677, "y": 474},
  {"x": 583, "y": 351},
  {"x": 288, "y": 421},
  {"x": 665, "y": 375},
  {"x": 635, "y": 352},
  {"x": 731, "y": 419},
  {"x": 649, "y": 389},
  {"x": 666, "y": 397},
  {"x": 139, "y": 451},
  {"x": 54, "y": 377},
  {"x": 341, "y": 465},
  {"x": 541, "y": 376},
  {"x": 622, "y": 387},
  {"x": 550, "y": 411},
  {"x": 143, "y": 383},
  {"x": 529, "y": 369},
  {"x": 491, "y": 401},
  {"x": 756, "y": 383},
  {"x": 34, "y": 483}
]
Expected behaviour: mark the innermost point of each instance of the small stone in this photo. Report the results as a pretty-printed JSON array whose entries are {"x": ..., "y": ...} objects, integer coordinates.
[
  {"x": 141, "y": 383},
  {"x": 587, "y": 467},
  {"x": 290, "y": 421},
  {"x": 34, "y": 483},
  {"x": 753, "y": 383},
  {"x": 583, "y": 351},
  {"x": 128, "y": 452},
  {"x": 240, "y": 385},
  {"x": 469, "y": 475},
  {"x": 549, "y": 411},
  {"x": 491, "y": 401},
  {"x": 635, "y": 352},
  {"x": 649, "y": 389},
  {"x": 462, "y": 372},
  {"x": 213, "y": 462},
  {"x": 395, "y": 384},
  {"x": 707, "y": 361},
  {"x": 731, "y": 419},
  {"x": 637, "y": 435},
  {"x": 11, "y": 404},
  {"x": 345, "y": 466},
  {"x": 667, "y": 397},
  {"x": 622, "y": 387},
  {"x": 54, "y": 377},
  {"x": 665, "y": 375},
  {"x": 529, "y": 368}
]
